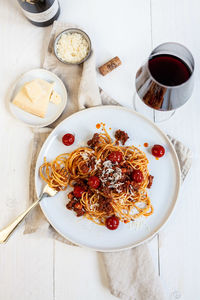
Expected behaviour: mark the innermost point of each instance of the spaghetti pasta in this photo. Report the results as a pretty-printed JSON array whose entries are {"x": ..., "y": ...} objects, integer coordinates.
[{"x": 108, "y": 179}]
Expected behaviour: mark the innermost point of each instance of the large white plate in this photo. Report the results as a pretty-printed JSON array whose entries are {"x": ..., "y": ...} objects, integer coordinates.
[
  {"x": 163, "y": 193},
  {"x": 53, "y": 112}
]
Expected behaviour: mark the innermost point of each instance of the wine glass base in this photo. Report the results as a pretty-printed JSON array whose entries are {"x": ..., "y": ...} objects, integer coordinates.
[{"x": 154, "y": 115}]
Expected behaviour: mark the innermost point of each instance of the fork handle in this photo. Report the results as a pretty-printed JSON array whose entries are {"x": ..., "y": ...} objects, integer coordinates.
[{"x": 5, "y": 232}]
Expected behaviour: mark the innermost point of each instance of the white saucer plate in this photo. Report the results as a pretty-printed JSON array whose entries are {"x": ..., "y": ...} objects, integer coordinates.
[{"x": 54, "y": 111}]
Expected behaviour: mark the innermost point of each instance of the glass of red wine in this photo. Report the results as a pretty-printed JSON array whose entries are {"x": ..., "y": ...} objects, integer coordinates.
[{"x": 165, "y": 82}]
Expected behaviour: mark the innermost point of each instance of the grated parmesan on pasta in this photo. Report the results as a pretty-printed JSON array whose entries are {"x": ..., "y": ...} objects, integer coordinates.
[{"x": 72, "y": 47}]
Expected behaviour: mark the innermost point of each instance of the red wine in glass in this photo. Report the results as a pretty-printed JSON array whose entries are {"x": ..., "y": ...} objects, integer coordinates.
[
  {"x": 165, "y": 81},
  {"x": 169, "y": 69}
]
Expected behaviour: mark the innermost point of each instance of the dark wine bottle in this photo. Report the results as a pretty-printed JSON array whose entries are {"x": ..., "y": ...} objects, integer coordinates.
[{"x": 40, "y": 12}]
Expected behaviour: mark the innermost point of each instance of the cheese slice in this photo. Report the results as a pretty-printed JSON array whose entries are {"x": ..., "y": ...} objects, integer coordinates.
[
  {"x": 34, "y": 90},
  {"x": 55, "y": 98},
  {"x": 34, "y": 97}
]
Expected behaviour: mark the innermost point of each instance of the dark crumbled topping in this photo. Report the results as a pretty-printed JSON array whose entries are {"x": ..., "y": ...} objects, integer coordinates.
[
  {"x": 82, "y": 183},
  {"x": 71, "y": 203},
  {"x": 121, "y": 136},
  {"x": 150, "y": 181},
  {"x": 94, "y": 141},
  {"x": 105, "y": 206},
  {"x": 79, "y": 212},
  {"x": 75, "y": 205}
]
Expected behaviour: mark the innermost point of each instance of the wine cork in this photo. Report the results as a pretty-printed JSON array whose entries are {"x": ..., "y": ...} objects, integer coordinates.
[{"x": 110, "y": 65}]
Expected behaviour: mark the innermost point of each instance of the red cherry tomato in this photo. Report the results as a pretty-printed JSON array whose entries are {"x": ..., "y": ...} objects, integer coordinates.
[
  {"x": 78, "y": 191},
  {"x": 158, "y": 150},
  {"x": 68, "y": 139},
  {"x": 112, "y": 223},
  {"x": 94, "y": 182},
  {"x": 137, "y": 176},
  {"x": 115, "y": 156}
]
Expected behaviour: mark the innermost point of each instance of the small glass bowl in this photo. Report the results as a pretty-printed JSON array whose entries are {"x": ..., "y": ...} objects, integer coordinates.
[{"x": 73, "y": 30}]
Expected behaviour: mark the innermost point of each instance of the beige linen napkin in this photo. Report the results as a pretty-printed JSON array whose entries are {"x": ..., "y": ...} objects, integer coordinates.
[
  {"x": 80, "y": 80},
  {"x": 131, "y": 274}
]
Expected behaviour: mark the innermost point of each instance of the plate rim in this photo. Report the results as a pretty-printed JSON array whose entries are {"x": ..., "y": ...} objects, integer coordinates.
[
  {"x": 14, "y": 86},
  {"x": 178, "y": 175}
]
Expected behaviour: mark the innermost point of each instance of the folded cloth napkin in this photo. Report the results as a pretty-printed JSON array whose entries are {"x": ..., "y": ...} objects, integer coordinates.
[
  {"x": 131, "y": 274},
  {"x": 80, "y": 80}
]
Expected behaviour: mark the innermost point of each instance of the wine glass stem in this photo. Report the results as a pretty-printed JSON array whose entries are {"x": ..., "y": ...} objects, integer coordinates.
[{"x": 155, "y": 116}]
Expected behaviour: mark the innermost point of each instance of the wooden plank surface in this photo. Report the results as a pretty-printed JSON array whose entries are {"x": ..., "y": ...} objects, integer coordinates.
[
  {"x": 33, "y": 267},
  {"x": 180, "y": 242},
  {"x": 26, "y": 262},
  {"x": 26, "y": 268}
]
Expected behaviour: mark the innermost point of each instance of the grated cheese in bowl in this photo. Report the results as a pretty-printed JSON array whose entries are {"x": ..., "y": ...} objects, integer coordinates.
[{"x": 72, "y": 46}]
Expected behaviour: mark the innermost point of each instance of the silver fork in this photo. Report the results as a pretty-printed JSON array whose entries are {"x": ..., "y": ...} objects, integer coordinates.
[{"x": 5, "y": 232}]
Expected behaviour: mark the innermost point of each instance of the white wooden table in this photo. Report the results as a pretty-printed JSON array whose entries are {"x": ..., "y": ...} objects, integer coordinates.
[{"x": 32, "y": 267}]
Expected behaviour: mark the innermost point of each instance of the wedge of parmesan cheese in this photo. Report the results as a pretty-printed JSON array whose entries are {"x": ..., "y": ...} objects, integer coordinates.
[
  {"x": 34, "y": 97},
  {"x": 55, "y": 98},
  {"x": 34, "y": 90}
]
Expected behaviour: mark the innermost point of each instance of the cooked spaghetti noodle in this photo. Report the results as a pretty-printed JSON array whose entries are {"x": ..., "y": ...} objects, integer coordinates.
[{"x": 108, "y": 179}]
